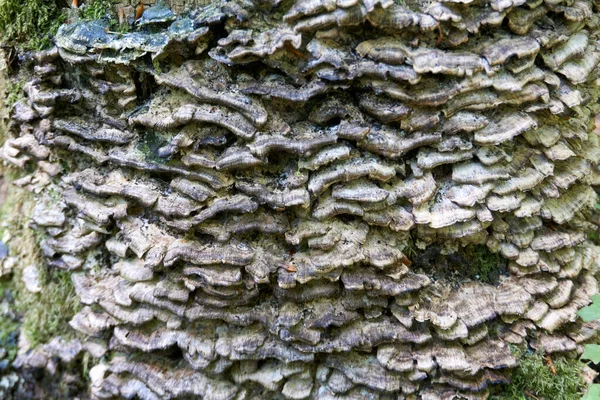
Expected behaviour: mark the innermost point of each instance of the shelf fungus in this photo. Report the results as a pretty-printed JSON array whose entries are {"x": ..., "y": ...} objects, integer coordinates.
[{"x": 265, "y": 198}]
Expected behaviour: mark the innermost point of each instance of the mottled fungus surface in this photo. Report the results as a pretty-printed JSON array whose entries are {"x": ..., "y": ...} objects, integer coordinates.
[{"x": 317, "y": 199}]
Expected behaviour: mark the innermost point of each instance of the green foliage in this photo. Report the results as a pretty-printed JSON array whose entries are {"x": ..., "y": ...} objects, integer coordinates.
[
  {"x": 592, "y": 353},
  {"x": 593, "y": 393},
  {"x": 591, "y": 312},
  {"x": 28, "y": 23},
  {"x": 96, "y": 9},
  {"x": 534, "y": 379}
]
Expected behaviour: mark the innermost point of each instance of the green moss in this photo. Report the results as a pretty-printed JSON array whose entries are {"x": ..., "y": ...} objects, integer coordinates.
[
  {"x": 29, "y": 23},
  {"x": 485, "y": 266},
  {"x": 21, "y": 245},
  {"x": 534, "y": 379},
  {"x": 102, "y": 9},
  {"x": 9, "y": 326},
  {"x": 149, "y": 144},
  {"x": 47, "y": 314},
  {"x": 9, "y": 332},
  {"x": 96, "y": 9},
  {"x": 157, "y": 66},
  {"x": 42, "y": 315},
  {"x": 14, "y": 93},
  {"x": 473, "y": 262},
  {"x": 593, "y": 235}
]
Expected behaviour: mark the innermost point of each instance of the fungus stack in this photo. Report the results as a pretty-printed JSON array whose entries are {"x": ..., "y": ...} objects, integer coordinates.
[{"x": 247, "y": 183}]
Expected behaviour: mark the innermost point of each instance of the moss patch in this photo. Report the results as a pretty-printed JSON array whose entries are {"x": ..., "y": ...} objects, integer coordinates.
[
  {"x": 484, "y": 265},
  {"x": 96, "y": 9},
  {"x": 149, "y": 144},
  {"x": 534, "y": 379},
  {"x": 474, "y": 262},
  {"x": 9, "y": 326},
  {"x": 43, "y": 315},
  {"x": 29, "y": 23},
  {"x": 48, "y": 314},
  {"x": 14, "y": 93},
  {"x": 39, "y": 317}
]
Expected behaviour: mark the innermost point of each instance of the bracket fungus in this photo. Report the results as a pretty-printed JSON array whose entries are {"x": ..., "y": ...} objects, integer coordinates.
[{"x": 258, "y": 176}]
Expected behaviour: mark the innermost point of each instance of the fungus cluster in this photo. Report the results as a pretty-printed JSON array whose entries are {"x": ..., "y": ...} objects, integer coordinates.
[{"x": 241, "y": 190}]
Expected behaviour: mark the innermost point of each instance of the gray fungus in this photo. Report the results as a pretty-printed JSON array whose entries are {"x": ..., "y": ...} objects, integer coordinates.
[{"x": 246, "y": 183}]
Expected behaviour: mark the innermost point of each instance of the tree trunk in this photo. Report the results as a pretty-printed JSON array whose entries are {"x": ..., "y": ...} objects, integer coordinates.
[{"x": 325, "y": 200}]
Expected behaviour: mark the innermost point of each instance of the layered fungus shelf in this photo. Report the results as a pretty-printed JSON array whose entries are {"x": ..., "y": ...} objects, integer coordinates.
[{"x": 241, "y": 192}]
